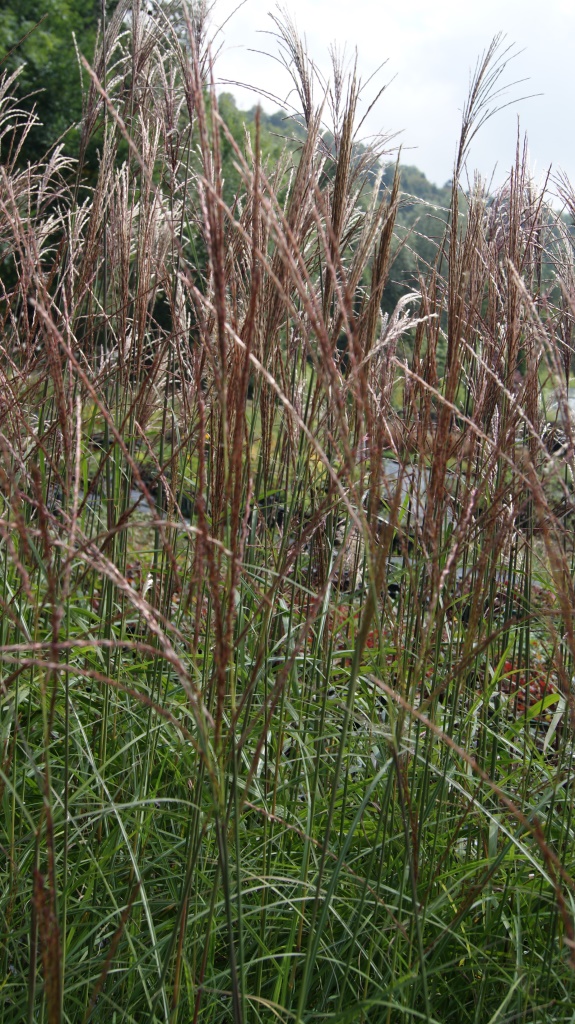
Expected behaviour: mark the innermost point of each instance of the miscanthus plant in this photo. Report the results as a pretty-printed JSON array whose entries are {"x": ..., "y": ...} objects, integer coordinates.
[{"x": 286, "y": 631}]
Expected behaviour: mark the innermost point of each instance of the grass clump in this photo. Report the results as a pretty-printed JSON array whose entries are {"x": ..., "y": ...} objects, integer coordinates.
[{"x": 287, "y": 633}]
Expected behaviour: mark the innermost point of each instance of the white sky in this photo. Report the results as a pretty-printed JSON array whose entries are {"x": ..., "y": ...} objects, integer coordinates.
[{"x": 430, "y": 49}]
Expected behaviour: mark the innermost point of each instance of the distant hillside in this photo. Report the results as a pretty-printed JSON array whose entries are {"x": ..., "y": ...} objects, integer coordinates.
[
  {"x": 422, "y": 215},
  {"x": 420, "y": 228}
]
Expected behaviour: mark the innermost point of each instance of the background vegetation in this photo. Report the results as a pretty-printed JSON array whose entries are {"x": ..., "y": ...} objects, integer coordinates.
[
  {"x": 286, "y": 563},
  {"x": 38, "y": 37}
]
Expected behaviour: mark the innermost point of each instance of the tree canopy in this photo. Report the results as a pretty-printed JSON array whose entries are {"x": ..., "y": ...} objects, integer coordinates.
[{"x": 38, "y": 37}]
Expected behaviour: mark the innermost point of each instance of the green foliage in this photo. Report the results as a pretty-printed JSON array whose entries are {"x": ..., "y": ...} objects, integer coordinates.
[{"x": 51, "y": 81}]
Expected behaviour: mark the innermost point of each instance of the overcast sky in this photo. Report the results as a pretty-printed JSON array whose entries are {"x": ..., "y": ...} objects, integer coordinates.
[{"x": 430, "y": 50}]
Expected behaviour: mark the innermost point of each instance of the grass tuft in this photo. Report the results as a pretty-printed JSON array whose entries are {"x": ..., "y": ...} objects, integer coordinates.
[{"x": 286, "y": 584}]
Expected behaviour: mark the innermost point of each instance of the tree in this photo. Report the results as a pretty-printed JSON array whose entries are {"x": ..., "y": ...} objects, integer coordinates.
[{"x": 38, "y": 35}]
